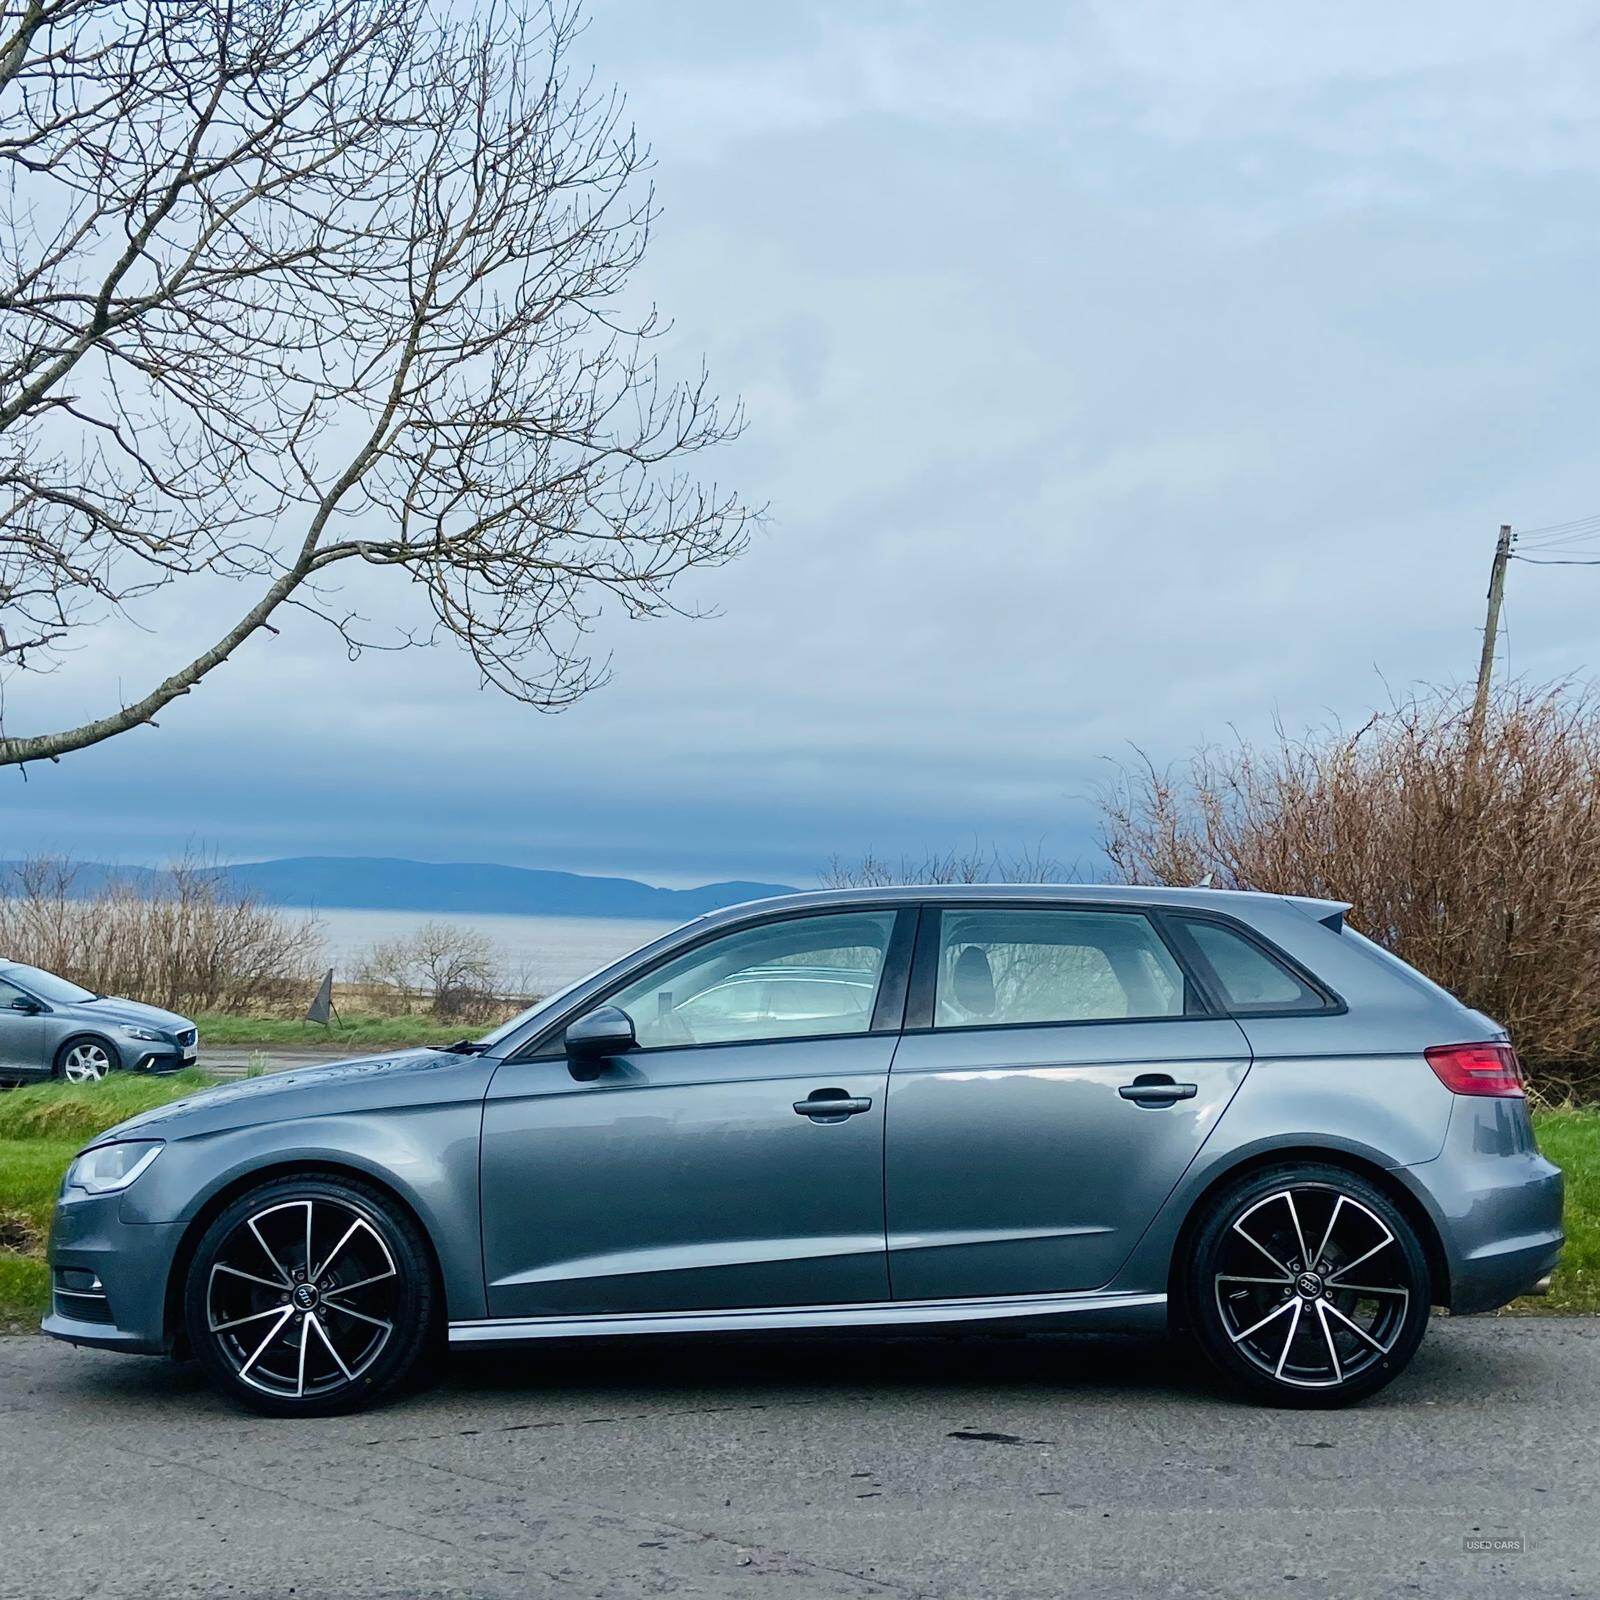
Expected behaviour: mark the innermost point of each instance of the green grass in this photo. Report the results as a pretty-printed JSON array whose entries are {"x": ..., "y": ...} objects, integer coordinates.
[
  {"x": 357, "y": 1032},
  {"x": 41, "y": 1127},
  {"x": 1571, "y": 1139},
  {"x": 78, "y": 1111},
  {"x": 30, "y": 1175}
]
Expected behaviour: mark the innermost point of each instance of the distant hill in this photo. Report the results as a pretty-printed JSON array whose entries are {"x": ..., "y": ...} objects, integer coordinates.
[{"x": 373, "y": 883}]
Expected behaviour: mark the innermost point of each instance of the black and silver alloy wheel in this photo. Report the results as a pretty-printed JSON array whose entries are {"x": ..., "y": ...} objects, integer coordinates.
[
  {"x": 1309, "y": 1287},
  {"x": 309, "y": 1295}
]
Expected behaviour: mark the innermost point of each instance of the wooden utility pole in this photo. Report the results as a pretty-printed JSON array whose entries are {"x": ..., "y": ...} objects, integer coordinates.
[{"x": 1491, "y": 627}]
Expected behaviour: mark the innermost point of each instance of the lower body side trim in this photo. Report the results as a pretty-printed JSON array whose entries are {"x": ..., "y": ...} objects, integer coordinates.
[{"x": 1113, "y": 1312}]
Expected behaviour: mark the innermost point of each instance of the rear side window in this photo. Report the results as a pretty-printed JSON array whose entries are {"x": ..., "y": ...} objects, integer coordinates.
[
  {"x": 1248, "y": 977},
  {"x": 1004, "y": 967}
]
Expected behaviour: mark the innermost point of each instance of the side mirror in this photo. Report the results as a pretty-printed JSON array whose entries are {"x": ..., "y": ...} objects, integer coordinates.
[
  {"x": 592, "y": 1040},
  {"x": 29, "y": 1008}
]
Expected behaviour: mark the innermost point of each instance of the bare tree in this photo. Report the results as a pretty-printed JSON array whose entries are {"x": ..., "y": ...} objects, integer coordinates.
[
  {"x": 455, "y": 968},
  {"x": 290, "y": 285}
]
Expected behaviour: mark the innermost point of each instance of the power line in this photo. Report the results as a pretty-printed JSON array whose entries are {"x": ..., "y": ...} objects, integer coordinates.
[{"x": 1560, "y": 527}]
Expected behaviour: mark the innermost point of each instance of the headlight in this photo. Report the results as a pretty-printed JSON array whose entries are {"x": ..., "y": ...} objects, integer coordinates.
[
  {"x": 110, "y": 1167},
  {"x": 146, "y": 1033}
]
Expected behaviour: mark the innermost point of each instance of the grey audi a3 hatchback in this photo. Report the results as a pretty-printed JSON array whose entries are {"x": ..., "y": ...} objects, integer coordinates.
[{"x": 1224, "y": 1114}]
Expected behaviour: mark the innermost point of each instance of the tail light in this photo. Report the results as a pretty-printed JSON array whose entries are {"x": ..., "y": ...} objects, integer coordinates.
[{"x": 1491, "y": 1069}]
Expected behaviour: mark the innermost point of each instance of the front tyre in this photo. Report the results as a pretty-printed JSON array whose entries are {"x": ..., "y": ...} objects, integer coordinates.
[
  {"x": 86, "y": 1061},
  {"x": 310, "y": 1296},
  {"x": 1307, "y": 1286}
]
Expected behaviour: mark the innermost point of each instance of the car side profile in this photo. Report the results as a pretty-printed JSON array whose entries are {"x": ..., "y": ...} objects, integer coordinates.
[
  {"x": 1036, "y": 1107},
  {"x": 52, "y": 1027}
]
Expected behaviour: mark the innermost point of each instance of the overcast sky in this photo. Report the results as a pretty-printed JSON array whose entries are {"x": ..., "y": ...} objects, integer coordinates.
[{"x": 1116, "y": 374}]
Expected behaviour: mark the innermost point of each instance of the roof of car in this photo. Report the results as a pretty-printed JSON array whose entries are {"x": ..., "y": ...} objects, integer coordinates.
[{"x": 1232, "y": 901}]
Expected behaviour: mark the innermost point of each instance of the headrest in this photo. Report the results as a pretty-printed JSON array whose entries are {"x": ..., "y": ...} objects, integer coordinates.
[{"x": 972, "y": 982}]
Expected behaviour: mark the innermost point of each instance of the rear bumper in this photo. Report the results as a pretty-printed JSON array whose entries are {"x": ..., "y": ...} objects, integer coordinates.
[{"x": 1496, "y": 1202}]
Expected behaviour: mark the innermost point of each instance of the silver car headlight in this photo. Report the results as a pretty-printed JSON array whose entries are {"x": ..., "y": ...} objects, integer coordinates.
[
  {"x": 110, "y": 1167},
  {"x": 146, "y": 1033}
]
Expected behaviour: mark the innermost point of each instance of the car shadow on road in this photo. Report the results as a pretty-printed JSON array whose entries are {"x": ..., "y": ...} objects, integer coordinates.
[
  {"x": 836, "y": 1363},
  {"x": 735, "y": 1370}
]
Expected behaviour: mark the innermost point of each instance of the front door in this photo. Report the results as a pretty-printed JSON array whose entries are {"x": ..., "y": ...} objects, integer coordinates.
[
  {"x": 1057, "y": 1076},
  {"x": 734, "y": 1159},
  {"x": 22, "y": 1032}
]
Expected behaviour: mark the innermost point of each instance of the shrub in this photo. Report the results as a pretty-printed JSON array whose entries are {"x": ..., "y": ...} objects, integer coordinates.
[
  {"x": 454, "y": 969},
  {"x": 1472, "y": 854},
  {"x": 191, "y": 942}
]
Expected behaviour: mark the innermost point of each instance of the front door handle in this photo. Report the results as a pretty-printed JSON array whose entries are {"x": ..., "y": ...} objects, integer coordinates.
[
  {"x": 1153, "y": 1089},
  {"x": 832, "y": 1105}
]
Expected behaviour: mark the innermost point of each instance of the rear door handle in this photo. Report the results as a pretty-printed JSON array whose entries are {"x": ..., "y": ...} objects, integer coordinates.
[
  {"x": 1157, "y": 1089},
  {"x": 832, "y": 1105}
]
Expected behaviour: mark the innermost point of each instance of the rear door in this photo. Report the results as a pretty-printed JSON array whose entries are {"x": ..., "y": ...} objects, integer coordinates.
[{"x": 1059, "y": 1071}]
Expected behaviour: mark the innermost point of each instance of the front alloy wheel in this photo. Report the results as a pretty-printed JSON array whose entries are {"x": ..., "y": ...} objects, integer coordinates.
[
  {"x": 87, "y": 1061},
  {"x": 1308, "y": 1287},
  {"x": 309, "y": 1296}
]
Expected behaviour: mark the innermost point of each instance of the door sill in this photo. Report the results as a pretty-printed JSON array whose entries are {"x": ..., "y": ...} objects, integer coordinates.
[{"x": 1119, "y": 1312}]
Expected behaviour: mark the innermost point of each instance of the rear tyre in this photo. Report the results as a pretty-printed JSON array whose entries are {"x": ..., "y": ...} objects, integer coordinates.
[
  {"x": 86, "y": 1061},
  {"x": 1307, "y": 1286},
  {"x": 310, "y": 1296}
]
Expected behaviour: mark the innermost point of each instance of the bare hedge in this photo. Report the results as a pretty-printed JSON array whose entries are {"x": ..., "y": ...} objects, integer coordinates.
[
  {"x": 195, "y": 943},
  {"x": 1475, "y": 857}
]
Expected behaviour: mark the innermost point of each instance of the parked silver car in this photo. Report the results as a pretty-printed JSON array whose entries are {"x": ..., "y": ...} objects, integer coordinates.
[
  {"x": 1039, "y": 1107},
  {"x": 52, "y": 1027}
]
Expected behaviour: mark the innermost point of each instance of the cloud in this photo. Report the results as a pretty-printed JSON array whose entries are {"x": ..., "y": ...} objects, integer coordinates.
[{"x": 1116, "y": 374}]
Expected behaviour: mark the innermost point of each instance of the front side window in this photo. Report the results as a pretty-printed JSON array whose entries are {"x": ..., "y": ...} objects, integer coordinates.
[
  {"x": 999, "y": 967},
  {"x": 781, "y": 980}
]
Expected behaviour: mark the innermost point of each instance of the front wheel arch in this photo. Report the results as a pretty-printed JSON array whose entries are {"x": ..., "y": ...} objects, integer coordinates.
[
  {"x": 1381, "y": 1178},
  {"x": 58, "y": 1063},
  {"x": 216, "y": 1204}
]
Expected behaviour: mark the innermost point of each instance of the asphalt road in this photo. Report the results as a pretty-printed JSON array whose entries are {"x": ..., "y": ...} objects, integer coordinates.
[{"x": 955, "y": 1469}]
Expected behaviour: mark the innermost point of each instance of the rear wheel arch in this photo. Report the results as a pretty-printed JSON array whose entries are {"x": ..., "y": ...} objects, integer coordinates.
[
  {"x": 1381, "y": 1178},
  {"x": 271, "y": 1172}
]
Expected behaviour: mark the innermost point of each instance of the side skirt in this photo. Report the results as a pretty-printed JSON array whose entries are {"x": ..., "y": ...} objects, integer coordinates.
[{"x": 1119, "y": 1313}]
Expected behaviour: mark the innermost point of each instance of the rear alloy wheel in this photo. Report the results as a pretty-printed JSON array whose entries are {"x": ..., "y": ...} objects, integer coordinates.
[
  {"x": 310, "y": 1296},
  {"x": 1308, "y": 1287},
  {"x": 85, "y": 1061}
]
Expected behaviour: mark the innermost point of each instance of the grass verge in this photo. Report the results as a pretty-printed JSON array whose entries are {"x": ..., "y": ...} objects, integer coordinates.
[
  {"x": 1571, "y": 1139},
  {"x": 78, "y": 1111},
  {"x": 43, "y": 1126},
  {"x": 353, "y": 1033}
]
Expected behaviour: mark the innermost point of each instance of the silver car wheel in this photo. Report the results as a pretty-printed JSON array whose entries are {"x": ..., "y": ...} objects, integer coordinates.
[
  {"x": 302, "y": 1298},
  {"x": 86, "y": 1063},
  {"x": 1314, "y": 1288}
]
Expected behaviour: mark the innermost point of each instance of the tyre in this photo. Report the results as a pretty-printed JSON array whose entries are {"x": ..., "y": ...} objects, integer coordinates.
[
  {"x": 310, "y": 1296},
  {"x": 1306, "y": 1286},
  {"x": 86, "y": 1061}
]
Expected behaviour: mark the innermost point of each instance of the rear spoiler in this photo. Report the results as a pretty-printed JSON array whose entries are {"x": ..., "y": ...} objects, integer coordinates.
[{"x": 1330, "y": 913}]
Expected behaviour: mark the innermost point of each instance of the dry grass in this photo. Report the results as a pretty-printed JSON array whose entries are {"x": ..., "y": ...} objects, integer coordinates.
[
  {"x": 198, "y": 945},
  {"x": 1474, "y": 858}
]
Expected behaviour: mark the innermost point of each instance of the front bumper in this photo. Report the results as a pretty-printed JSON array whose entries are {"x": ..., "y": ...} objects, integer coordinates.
[
  {"x": 143, "y": 1056},
  {"x": 130, "y": 1261}
]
